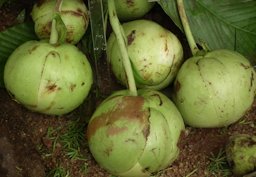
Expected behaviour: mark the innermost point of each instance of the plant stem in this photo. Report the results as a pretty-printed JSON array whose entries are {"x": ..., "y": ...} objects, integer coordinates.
[
  {"x": 54, "y": 33},
  {"x": 184, "y": 20},
  {"x": 118, "y": 30},
  {"x": 54, "y": 37}
]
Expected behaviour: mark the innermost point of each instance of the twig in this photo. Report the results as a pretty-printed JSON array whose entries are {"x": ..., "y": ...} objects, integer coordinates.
[
  {"x": 184, "y": 20},
  {"x": 118, "y": 30}
]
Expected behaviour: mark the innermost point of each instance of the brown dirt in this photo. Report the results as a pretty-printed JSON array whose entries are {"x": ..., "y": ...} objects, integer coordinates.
[{"x": 25, "y": 144}]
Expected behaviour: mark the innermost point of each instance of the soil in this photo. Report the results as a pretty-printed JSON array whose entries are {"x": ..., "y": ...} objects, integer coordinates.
[{"x": 28, "y": 149}]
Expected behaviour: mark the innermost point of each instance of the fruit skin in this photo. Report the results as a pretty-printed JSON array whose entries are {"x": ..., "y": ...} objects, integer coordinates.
[
  {"x": 155, "y": 54},
  {"x": 132, "y": 9},
  {"x": 134, "y": 136},
  {"x": 241, "y": 153},
  {"x": 214, "y": 90},
  {"x": 48, "y": 79},
  {"x": 73, "y": 13}
]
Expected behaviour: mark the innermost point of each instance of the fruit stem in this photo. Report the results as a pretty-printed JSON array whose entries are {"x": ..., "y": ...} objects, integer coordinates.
[
  {"x": 54, "y": 37},
  {"x": 184, "y": 20},
  {"x": 122, "y": 43}
]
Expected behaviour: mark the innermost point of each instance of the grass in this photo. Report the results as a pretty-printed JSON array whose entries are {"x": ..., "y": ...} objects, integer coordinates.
[
  {"x": 58, "y": 172},
  {"x": 64, "y": 142},
  {"x": 218, "y": 164}
]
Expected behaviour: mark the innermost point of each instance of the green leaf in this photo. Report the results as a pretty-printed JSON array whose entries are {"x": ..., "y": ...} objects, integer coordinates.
[
  {"x": 2, "y": 2},
  {"x": 220, "y": 23},
  {"x": 10, "y": 39}
]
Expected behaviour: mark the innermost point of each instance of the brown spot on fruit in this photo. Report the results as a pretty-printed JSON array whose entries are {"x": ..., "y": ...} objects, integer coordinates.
[
  {"x": 177, "y": 86},
  {"x": 129, "y": 108},
  {"x": 115, "y": 130},
  {"x": 82, "y": 84},
  {"x": 51, "y": 87},
  {"x": 72, "y": 87},
  {"x": 158, "y": 96},
  {"x": 131, "y": 37},
  {"x": 130, "y": 3},
  {"x": 33, "y": 49},
  {"x": 252, "y": 81},
  {"x": 245, "y": 66}
]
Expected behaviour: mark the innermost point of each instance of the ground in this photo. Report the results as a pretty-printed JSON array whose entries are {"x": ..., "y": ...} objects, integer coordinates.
[{"x": 37, "y": 145}]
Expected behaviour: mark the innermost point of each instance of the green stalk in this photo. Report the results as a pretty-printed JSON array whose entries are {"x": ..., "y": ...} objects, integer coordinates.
[
  {"x": 122, "y": 43},
  {"x": 184, "y": 20},
  {"x": 54, "y": 37}
]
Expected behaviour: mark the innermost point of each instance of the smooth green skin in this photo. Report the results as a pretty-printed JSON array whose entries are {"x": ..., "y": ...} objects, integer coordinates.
[
  {"x": 241, "y": 153},
  {"x": 214, "y": 90},
  {"x": 128, "y": 153},
  {"x": 48, "y": 79},
  {"x": 155, "y": 53},
  {"x": 132, "y": 9},
  {"x": 73, "y": 13}
]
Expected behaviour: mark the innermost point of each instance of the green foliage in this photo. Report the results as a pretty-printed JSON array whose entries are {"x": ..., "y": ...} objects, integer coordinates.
[
  {"x": 58, "y": 172},
  {"x": 220, "y": 24},
  {"x": 219, "y": 165},
  {"x": 10, "y": 39}
]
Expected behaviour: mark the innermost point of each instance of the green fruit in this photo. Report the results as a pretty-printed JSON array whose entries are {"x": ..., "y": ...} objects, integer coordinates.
[
  {"x": 132, "y": 9},
  {"x": 134, "y": 136},
  {"x": 241, "y": 153},
  {"x": 155, "y": 54},
  {"x": 73, "y": 13},
  {"x": 215, "y": 89},
  {"x": 48, "y": 79}
]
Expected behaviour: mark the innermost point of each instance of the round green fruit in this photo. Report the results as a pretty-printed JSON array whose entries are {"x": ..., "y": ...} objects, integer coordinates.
[
  {"x": 135, "y": 135},
  {"x": 155, "y": 54},
  {"x": 73, "y": 13},
  {"x": 48, "y": 79},
  {"x": 132, "y": 9},
  {"x": 241, "y": 153},
  {"x": 215, "y": 89}
]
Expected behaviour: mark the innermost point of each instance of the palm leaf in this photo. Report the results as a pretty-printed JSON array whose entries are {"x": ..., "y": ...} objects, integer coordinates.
[
  {"x": 10, "y": 39},
  {"x": 220, "y": 23}
]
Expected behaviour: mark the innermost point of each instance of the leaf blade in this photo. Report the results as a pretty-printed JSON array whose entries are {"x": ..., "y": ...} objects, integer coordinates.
[
  {"x": 10, "y": 39},
  {"x": 221, "y": 24}
]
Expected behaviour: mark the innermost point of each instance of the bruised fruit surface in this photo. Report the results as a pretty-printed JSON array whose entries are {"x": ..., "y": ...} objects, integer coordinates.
[
  {"x": 241, "y": 153},
  {"x": 73, "y": 13},
  {"x": 215, "y": 89},
  {"x": 132, "y": 9},
  {"x": 135, "y": 135},
  {"x": 48, "y": 79},
  {"x": 155, "y": 54}
]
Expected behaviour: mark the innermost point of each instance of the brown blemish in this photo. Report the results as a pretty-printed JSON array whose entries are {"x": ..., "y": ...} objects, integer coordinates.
[
  {"x": 249, "y": 142},
  {"x": 33, "y": 49},
  {"x": 108, "y": 150},
  {"x": 130, "y": 3},
  {"x": 50, "y": 106},
  {"x": 72, "y": 87},
  {"x": 129, "y": 108},
  {"x": 245, "y": 66},
  {"x": 166, "y": 46},
  {"x": 82, "y": 84},
  {"x": 177, "y": 86},
  {"x": 53, "y": 54},
  {"x": 51, "y": 87},
  {"x": 130, "y": 140},
  {"x": 251, "y": 81},
  {"x": 116, "y": 130},
  {"x": 159, "y": 98},
  {"x": 131, "y": 37},
  {"x": 46, "y": 30}
]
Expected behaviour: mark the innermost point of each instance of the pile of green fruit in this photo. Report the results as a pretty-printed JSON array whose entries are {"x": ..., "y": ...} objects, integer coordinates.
[
  {"x": 51, "y": 76},
  {"x": 132, "y": 133}
]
